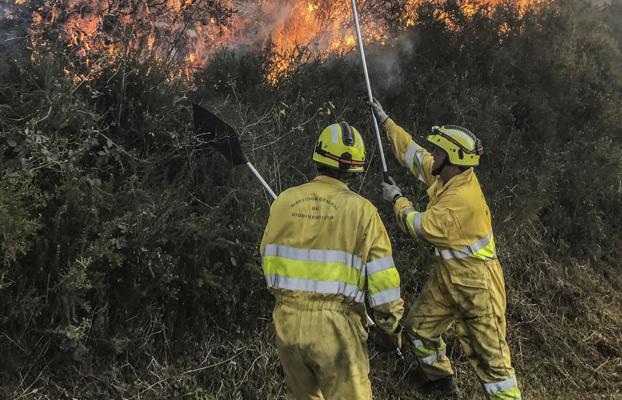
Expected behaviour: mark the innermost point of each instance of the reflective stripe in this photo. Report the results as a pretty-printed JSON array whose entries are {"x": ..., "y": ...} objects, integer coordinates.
[
  {"x": 406, "y": 212},
  {"x": 313, "y": 255},
  {"x": 404, "y": 217},
  {"x": 413, "y": 160},
  {"x": 412, "y": 220},
  {"x": 409, "y": 157},
  {"x": 329, "y": 272},
  {"x": 430, "y": 360},
  {"x": 417, "y": 220},
  {"x": 359, "y": 139},
  {"x": 308, "y": 285},
  {"x": 383, "y": 280},
  {"x": 379, "y": 265},
  {"x": 386, "y": 296},
  {"x": 509, "y": 394},
  {"x": 322, "y": 271},
  {"x": 317, "y": 271},
  {"x": 501, "y": 385},
  {"x": 334, "y": 131},
  {"x": 483, "y": 249},
  {"x": 429, "y": 355},
  {"x": 408, "y": 221},
  {"x": 420, "y": 155}
]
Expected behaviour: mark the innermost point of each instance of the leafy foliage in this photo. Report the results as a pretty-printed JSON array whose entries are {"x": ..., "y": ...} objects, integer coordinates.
[{"x": 124, "y": 241}]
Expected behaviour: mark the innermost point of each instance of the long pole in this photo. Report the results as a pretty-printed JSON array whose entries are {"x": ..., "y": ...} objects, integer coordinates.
[
  {"x": 263, "y": 182},
  {"x": 369, "y": 93}
]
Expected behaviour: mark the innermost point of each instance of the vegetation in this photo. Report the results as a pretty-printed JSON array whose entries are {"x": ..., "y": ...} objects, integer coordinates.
[{"x": 129, "y": 263}]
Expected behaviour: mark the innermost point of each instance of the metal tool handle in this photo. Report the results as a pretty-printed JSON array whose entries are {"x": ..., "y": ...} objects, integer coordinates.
[
  {"x": 263, "y": 182},
  {"x": 369, "y": 92}
]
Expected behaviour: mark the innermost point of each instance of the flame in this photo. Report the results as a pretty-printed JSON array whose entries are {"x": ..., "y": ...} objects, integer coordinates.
[
  {"x": 322, "y": 28},
  {"x": 184, "y": 34}
]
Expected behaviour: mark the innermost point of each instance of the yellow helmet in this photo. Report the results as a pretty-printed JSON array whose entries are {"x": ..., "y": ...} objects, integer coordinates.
[
  {"x": 341, "y": 146},
  {"x": 462, "y": 147}
]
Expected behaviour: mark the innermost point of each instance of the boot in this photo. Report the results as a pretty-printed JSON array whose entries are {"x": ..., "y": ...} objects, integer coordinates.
[{"x": 443, "y": 388}]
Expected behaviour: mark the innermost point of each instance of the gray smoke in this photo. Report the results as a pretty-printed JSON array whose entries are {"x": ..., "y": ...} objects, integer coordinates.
[
  {"x": 386, "y": 61},
  {"x": 14, "y": 21}
]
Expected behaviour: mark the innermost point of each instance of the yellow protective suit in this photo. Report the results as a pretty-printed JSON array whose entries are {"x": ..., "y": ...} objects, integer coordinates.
[
  {"x": 466, "y": 284},
  {"x": 323, "y": 251}
]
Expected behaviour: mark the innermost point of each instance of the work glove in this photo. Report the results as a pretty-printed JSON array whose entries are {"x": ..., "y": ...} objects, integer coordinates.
[
  {"x": 389, "y": 342},
  {"x": 381, "y": 116},
  {"x": 390, "y": 191}
]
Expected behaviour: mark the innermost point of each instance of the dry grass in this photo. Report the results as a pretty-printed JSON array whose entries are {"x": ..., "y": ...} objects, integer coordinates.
[{"x": 565, "y": 331}]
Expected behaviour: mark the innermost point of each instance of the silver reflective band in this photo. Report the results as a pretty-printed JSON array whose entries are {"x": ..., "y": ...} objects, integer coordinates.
[
  {"x": 384, "y": 297},
  {"x": 414, "y": 154},
  {"x": 406, "y": 212},
  {"x": 429, "y": 360},
  {"x": 419, "y": 156},
  {"x": 501, "y": 385},
  {"x": 417, "y": 221},
  {"x": 409, "y": 157},
  {"x": 308, "y": 285},
  {"x": 449, "y": 254},
  {"x": 380, "y": 265},
  {"x": 313, "y": 255},
  {"x": 334, "y": 133},
  {"x": 416, "y": 225},
  {"x": 433, "y": 358},
  {"x": 359, "y": 139}
]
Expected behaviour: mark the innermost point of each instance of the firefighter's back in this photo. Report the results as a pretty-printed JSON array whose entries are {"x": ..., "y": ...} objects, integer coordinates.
[{"x": 313, "y": 259}]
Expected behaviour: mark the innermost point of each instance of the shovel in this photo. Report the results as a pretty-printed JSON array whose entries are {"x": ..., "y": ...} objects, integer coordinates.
[{"x": 224, "y": 139}]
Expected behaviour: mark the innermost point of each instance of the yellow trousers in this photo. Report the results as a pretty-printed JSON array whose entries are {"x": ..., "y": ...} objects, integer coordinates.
[
  {"x": 472, "y": 297},
  {"x": 322, "y": 348}
]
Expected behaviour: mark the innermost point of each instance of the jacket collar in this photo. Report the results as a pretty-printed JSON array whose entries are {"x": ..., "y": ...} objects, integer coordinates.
[
  {"x": 330, "y": 181},
  {"x": 461, "y": 179}
]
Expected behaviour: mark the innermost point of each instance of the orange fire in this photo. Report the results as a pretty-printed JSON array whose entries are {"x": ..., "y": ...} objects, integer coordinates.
[{"x": 183, "y": 34}]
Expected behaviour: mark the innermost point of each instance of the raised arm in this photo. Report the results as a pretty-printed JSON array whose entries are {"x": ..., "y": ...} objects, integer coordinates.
[{"x": 412, "y": 156}]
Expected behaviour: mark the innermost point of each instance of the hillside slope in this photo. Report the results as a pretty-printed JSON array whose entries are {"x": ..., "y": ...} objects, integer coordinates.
[{"x": 129, "y": 254}]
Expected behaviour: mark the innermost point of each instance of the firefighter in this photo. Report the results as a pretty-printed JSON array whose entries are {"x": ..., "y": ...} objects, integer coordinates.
[
  {"x": 466, "y": 284},
  {"x": 324, "y": 252}
]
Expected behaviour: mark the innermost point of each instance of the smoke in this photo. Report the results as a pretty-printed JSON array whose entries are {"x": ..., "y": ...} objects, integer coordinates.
[
  {"x": 285, "y": 23},
  {"x": 332, "y": 23},
  {"x": 185, "y": 34},
  {"x": 254, "y": 23},
  {"x": 14, "y": 23},
  {"x": 385, "y": 62}
]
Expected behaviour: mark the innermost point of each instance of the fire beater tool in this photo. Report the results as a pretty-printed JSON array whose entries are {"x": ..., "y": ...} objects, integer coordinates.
[{"x": 223, "y": 138}]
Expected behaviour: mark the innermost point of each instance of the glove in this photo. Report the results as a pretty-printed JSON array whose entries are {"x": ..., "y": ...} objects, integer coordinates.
[
  {"x": 390, "y": 191},
  {"x": 399, "y": 206},
  {"x": 389, "y": 342},
  {"x": 381, "y": 116}
]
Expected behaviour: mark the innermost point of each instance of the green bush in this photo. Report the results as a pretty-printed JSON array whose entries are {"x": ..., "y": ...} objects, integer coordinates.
[{"x": 125, "y": 240}]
